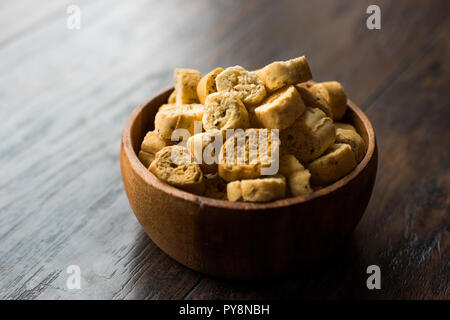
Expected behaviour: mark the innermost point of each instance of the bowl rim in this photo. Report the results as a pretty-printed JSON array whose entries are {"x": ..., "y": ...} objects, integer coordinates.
[{"x": 202, "y": 201}]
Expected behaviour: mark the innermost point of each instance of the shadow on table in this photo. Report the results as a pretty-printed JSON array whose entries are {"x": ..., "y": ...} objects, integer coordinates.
[{"x": 343, "y": 275}]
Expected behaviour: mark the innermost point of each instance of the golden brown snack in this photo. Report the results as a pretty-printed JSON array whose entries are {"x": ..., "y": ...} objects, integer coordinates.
[
  {"x": 186, "y": 81},
  {"x": 172, "y": 117},
  {"x": 281, "y": 109},
  {"x": 166, "y": 106},
  {"x": 150, "y": 146},
  {"x": 289, "y": 164},
  {"x": 354, "y": 140},
  {"x": 313, "y": 100},
  {"x": 338, "y": 161},
  {"x": 215, "y": 187},
  {"x": 247, "y": 153},
  {"x": 152, "y": 143},
  {"x": 173, "y": 165},
  {"x": 146, "y": 158},
  {"x": 283, "y": 73},
  {"x": 299, "y": 183},
  {"x": 297, "y": 176},
  {"x": 257, "y": 190},
  {"x": 278, "y": 98},
  {"x": 335, "y": 95},
  {"x": 253, "y": 120},
  {"x": 309, "y": 136},
  {"x": 234, "y": 191},
  {"x": 172, "y": 97},
  {"x": 246, "y": 84},
  {"x": 207, "y": 85},
  {"x": 203, "y": 146},
  {"x": 224, "y": 110},
  {"x": 345, "y": 126}
]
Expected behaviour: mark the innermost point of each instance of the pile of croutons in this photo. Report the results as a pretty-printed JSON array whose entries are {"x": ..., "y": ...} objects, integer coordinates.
[{"x": 252, "y": 136}]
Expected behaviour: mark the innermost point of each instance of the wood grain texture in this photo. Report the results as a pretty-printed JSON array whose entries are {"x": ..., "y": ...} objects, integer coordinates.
[{"x": 65, "y": 96}]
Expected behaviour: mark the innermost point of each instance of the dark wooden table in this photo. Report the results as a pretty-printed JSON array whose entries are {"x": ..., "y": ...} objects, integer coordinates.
[{"x": 65, "y": 95}]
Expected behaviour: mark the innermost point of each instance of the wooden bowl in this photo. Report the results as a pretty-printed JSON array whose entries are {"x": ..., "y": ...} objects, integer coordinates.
[{"x": 237, "y": 239}]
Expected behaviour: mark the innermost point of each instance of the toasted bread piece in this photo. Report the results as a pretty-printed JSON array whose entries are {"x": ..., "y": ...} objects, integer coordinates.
[
  {"x": 297, "y": 176},
  {"x": 313, "y": 100},
  {"x": 224, "y": 110},
  {"x": 338, "y": 161},
  {"x": 173, "y": 165},
  {"x": 311, "y": 134},
  {"x": 335, "y": 95},
  {"x": 152, "y": 143},
  {"x": 146, "y": 158},
  {"x": 247, "y": 153},
  {"x": 345, "y": 126},
  {"x": 257, "y": 190},
  {"x": 172, "y": 97},
  {"x": 280, "y": 109},
  {"x": 299, "y": 183},
  {"x": 283, "y": 73},
  {"x": 354, "y": 140},
  {"x": 246, "y": 84},
  {"x": 234, "y": 191},
  {"x": 172, "y": 117},
  {"x": 289, "y": 164},
  {"x": 203, "y": 146},
  {"x": 207, "y": 84},
  {"x": 186, "y": 81}
]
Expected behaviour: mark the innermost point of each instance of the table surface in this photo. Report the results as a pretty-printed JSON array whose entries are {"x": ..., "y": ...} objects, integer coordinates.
[{"x": 66, "y": 94}]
